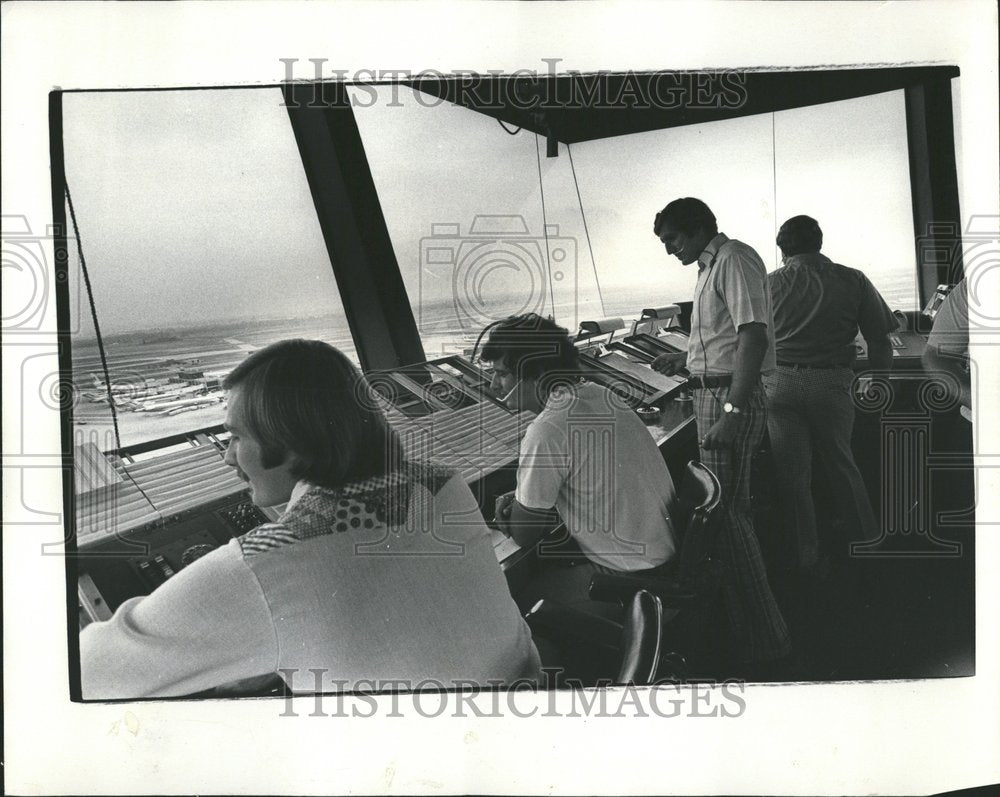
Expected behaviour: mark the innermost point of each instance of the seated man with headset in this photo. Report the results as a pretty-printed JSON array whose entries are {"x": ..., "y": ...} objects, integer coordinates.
[{"x": 586, "y": 460}]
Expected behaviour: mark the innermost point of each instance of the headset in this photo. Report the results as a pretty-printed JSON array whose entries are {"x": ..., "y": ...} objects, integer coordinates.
[{"x": 511, "y": 392}]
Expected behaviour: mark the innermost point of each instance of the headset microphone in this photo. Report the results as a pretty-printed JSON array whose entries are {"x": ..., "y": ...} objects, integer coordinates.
[{"x": 511, "y": 393}]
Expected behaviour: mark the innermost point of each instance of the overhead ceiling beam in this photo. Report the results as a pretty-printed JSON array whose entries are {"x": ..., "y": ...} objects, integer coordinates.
[{"x": 583, "y": 107}]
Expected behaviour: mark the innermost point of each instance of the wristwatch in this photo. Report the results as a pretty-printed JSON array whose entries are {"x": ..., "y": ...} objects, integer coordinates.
[{"x": 729, "y": 409}]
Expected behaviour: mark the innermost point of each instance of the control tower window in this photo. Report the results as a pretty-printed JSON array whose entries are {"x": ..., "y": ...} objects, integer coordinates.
[
  {"x": 625, "y": 181},
  {"x": 202, "y": 244},
  {"x": 462, "y": 204},
  {"x": 449, "y": 180},
  {"x": 843, "y": 163}
]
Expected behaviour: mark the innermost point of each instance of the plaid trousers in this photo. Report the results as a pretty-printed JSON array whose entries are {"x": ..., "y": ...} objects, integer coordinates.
[{"x": 759, "y": 630}]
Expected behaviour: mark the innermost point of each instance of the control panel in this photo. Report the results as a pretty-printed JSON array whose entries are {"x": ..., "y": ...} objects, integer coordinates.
[
  {"x": 137, "y": 563},
  {"x": 907, "y": 349},
  {"x": 624, "y": 366}
]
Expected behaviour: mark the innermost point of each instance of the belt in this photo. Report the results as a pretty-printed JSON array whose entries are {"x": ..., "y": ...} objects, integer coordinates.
[
  {"x": 824, "y": 367},
  {"x": 709, "y": 380}
]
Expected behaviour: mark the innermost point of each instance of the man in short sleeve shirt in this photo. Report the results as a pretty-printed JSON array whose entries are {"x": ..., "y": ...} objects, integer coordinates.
[
  {"x": 819, "y": 306},
  {"x": 948, "y": 346},
  {"x": 731, "y": 343},
  {"x": 586, "y": 459}
]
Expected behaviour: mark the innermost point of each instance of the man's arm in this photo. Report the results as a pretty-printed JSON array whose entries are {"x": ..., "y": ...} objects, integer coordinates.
[
  {"x": 208, "y": 625},
  {"x": 751, "y": 347},
  {"x": 876, "y": 321},
  {"x": 947, "y": 346},
  {"x": 527, "y": 514},
  {"x": 879, "y": 352},
  {"x": 525, "y": 526}
]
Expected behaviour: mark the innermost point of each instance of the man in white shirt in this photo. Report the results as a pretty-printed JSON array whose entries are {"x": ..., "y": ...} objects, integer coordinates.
[
  {"x": 947, "y": 347},
  {"x": 731, "y": 345},
  {"x": 586, "y": 460},
  {"x": 379, "y": 572}
]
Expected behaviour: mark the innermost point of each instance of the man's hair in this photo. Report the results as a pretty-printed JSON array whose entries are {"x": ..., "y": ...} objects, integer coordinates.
[
  {"x": 689, "y": 215},
  {"x": 532, "y": 347},
  {"x": 799, "y": 235},
  {"x": 305, "y": 398}
]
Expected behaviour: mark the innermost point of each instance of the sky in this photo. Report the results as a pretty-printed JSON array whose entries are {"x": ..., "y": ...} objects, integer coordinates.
[{"x": 193, "y": 206}]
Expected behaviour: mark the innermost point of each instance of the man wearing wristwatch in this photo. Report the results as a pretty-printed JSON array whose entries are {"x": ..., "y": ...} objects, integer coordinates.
[{"x": 731, "y": 344}]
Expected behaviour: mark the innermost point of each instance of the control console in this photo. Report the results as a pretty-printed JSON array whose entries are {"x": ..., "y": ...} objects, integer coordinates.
[{"x": 137, "y": 563}]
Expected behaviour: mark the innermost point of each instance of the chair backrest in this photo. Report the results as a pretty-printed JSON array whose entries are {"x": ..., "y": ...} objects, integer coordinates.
[
  {"x": 696, "y": 516},
  {"x": 641, "y": 640}
]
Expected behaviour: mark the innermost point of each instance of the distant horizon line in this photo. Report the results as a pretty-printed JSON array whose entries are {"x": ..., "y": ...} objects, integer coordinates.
[{"x": 612, "y": 295}]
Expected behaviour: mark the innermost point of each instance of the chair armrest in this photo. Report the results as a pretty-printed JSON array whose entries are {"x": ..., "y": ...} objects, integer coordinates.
[
  {"x": 622, "y": 588},
  {"x": 642, "y": 640},
  {"x": 558, "y": 622}
]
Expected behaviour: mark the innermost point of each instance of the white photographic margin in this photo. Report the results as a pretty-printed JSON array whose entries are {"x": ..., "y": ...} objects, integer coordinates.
[{"x": 890, "y": 738}]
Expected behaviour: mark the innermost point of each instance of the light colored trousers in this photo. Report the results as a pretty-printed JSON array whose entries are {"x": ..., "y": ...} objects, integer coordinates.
[{"x": 811, "y": 410}]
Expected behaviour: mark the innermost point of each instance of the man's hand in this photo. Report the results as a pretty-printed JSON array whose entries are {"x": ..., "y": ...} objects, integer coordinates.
[
  {"x": 671, "y": 363},
  {"x": 501, "y": 510},
  {"x": 723, "y": 433}
]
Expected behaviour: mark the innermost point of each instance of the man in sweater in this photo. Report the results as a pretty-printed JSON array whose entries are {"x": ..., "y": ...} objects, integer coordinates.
[{"x": 378, "y": 573}]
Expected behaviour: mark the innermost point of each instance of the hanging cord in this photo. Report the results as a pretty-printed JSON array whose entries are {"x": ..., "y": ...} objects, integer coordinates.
[
  {"x": 586, "y": 230},
  {"x": 704, "y": 351},
  {"x": 545, "y": 229},
  {"x": 507, "y": 130},
  {"x": 100, "y": 344},
  {"x": 487, "y": 328},
  {"x": 774, "y": 188},
  {"x": 93, "y": 314}
]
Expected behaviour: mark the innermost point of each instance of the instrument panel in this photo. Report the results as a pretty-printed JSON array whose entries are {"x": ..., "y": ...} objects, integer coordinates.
[
  {"x": 142, "y": 519},
  {"x": 623, "y": 366},
  {"x": 907, "y": 350},
  {"x": 123, "y": 567}
]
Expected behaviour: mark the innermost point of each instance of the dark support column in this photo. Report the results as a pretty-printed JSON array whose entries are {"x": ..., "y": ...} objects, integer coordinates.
[
  {"x": 937, "y": 220},
  {"x": 61, "y": 266},
  {"x": 60, "y": 272},
  {"x": 371, "y": 287}
]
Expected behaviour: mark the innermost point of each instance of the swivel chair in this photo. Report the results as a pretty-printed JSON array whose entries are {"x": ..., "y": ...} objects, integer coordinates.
[
  {"x": 637, "y": 645},
  {"x": 690, "y": 590},
  {"x": 696, "y": 574}
]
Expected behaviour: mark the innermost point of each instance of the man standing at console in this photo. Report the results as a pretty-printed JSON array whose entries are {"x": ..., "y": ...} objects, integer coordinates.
[
  {"x": 731, "y": 343},
  {"x": 818, "y": 308}
]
